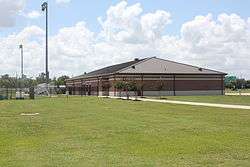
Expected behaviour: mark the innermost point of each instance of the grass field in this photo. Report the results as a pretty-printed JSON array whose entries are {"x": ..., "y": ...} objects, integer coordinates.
[
  {"x": 89, "y": 131},
  {"x": 240, "y": 100}
]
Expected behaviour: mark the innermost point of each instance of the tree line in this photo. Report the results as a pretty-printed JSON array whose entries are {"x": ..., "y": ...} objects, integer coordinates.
[
  {"x": 7, "y": 81},
  {"x": 234, "y": 83}
]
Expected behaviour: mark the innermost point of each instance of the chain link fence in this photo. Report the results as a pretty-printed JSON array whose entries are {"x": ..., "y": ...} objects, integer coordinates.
[
  {"x": 16, "y": 93},
  {"x": 31, "y": 92}
]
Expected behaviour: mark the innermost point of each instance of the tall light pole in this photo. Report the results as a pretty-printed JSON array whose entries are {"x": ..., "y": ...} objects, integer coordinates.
[
  {"x": 21, "y": 48},
  {"x": 45, "y": 8}
]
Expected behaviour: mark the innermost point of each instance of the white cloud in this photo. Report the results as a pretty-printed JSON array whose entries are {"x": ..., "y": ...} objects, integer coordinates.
[
  {"x": 221, "y": 43},
  {"x": 63, "y": 1},
  {"x": 125, "y": 24},
  {"x": 32, "y": 39},
  {"x": 69, "y": 49},
  {"x": 8, "y": 11},
  {"x": 122, "y": 23},
  {"x": 72, "y": 48},
  {"x": 33, "y": 14},
  {"x": 153, "y": 24}
]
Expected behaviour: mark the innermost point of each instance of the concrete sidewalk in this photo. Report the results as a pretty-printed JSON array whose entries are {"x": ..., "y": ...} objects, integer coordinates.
[
  {"x": 237, "y": 94},
  {"x": 189, "y": 103}
]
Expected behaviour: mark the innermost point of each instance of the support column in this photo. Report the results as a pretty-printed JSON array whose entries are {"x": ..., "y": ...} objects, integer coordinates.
[
  {"x": 97, "y": 89},
  {"x": 100, "y": 86},
  {"x": 114, "y": 85},
  {"x": 222, "y": 85},
  {"x": 81, "y": 87},
  {"x": 73, "y": 92},
  {"x": 174, "y": 85},
  {"x": 142, "y": 85}
]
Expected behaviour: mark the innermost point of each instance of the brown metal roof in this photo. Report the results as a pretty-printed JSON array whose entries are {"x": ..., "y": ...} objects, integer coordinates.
[
  {"x": 161, "y": 66},
  {"x": 108, "y": 70},
  {"x": 151, "y": 65}
]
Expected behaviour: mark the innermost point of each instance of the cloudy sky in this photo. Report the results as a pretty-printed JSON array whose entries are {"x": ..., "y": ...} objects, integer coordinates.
[{"x": 85, "y": 35}]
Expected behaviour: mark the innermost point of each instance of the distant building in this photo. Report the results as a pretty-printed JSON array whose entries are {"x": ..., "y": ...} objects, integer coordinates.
[{"x": 153, "y": 76}]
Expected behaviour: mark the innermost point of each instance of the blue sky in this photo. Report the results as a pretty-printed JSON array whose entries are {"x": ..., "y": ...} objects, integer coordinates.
[
  {"x": 64, "y": 15},
  {"x": 208, "y": 33}
]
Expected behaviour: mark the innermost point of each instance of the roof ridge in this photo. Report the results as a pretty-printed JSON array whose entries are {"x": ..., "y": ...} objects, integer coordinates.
[{"x": 136, "y": 63}]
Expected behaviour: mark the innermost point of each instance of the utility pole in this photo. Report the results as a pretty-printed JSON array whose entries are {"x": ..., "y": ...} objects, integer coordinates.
[{"x": 45, "y": 8}]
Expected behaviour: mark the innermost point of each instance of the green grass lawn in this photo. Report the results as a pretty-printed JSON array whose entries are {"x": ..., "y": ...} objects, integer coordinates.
[
  {"x": 92, "y": 131},
  {"x": 240, "y": 100}
]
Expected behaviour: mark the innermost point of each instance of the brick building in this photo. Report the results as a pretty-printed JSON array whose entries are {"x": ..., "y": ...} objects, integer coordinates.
[{"x": 153, "y": 76}]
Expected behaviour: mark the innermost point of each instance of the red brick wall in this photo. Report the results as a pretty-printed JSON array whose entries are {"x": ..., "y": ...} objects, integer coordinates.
[
  {"x": 149, "y": 83},
  {"x": 188, "y": 85},
  {"x": 165, "y": 85}
]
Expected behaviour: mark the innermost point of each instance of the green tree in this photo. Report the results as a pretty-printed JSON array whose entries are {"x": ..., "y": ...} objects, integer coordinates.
[
  {"x": 120, "y": 86},
  {"x": 132, "y": 86},
  {"x": 61, "y": 80},
  {"x": 41, "y": 78},
  {"x": 160, "y": 88},
  {"x": 7, "y": 81}
]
